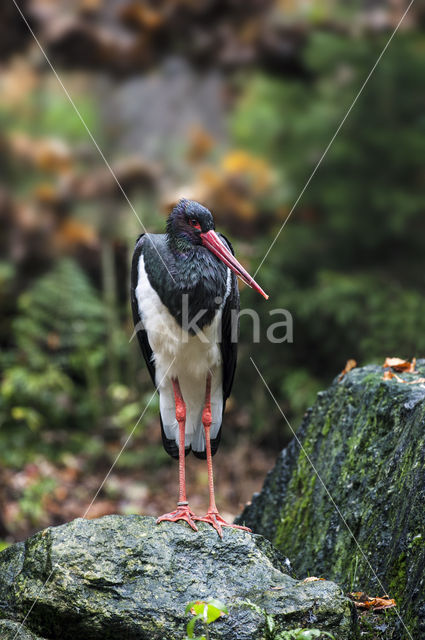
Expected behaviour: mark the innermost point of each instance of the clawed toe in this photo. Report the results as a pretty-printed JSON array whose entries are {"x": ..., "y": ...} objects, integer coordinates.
[
  {"x": 181, "y": 513},
  {"x": 214, "y": 518}
]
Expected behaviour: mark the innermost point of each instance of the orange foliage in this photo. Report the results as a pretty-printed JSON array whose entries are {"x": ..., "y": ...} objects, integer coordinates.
[
  {"x": 397, "y": 364},
  {"x": 253, "y": 169},
  {"x": 350, "y": 364},
  {"x": 142, "y": 16},
  {"x": 363, "y": 601},
  {"x": 234, "y": 186},
  {"x": 17, "y": 80},
  {"x": 48, "y": 154},
  {"x": 73, "y": 232}
]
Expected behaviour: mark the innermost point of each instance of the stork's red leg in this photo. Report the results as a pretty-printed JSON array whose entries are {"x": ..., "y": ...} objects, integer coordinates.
[
  {"x": 182, "y": 512},
  {"x": 212, "y": 517}
]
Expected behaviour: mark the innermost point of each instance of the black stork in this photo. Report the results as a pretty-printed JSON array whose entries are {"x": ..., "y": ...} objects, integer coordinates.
[{"x": 185, "y": 303}]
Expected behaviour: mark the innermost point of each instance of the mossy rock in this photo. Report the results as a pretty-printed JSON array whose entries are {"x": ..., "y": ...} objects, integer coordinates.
[
  {"x": 365, "y": 437},
  {"x": 126, "y": 578},
  {"x": 10, "y": 630}
]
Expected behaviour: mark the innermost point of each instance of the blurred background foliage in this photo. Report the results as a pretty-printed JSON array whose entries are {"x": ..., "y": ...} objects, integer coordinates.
[{"x": 232, "y": 104}]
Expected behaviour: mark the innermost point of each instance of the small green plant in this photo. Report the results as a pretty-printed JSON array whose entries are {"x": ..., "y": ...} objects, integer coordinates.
[
  {"x": 291, "y": 634},
  {"x": 206, "y": 611}
]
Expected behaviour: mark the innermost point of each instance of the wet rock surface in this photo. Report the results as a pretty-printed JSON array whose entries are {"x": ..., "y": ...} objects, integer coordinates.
[
  {"x": 365, "y": 437},
  {"x": 10, "y": 630},
  {"x": 124, "y": 577}
]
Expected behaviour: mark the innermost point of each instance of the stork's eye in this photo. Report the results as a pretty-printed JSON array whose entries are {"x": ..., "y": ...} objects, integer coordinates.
[{"x": 194, "y": 223}]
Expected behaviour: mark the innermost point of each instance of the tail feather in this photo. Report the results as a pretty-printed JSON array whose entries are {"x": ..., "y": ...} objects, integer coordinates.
[
  {"x": 194, "y": 431},
  {"x": 202, "y": 454}
]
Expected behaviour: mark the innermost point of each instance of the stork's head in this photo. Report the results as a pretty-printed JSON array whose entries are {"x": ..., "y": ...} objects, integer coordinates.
[
  {"x": 187, "y": 221},
  {"x": 190, "y": 225}
]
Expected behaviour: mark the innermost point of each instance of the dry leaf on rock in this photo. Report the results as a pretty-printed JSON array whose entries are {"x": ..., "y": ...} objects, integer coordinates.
[
  {"x": 388, "y": 375},
  {"x": 350, "y": 364},
  {"x": 400, "y": 365},
  {"x": 312, "y": 579},
  {"x": 363, "y": 601},
  {"x": 397, "y": 364}
]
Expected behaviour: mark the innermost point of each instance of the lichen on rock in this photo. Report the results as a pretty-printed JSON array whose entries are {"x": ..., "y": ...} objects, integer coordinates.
[
  {"x": 360, "y": 519},
  {"x": 124, "y": 577}
]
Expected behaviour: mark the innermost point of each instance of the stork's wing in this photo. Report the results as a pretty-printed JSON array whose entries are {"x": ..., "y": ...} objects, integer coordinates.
[
  {"x": 229, "y": 347},
  {"x": 142, "y": 336}
]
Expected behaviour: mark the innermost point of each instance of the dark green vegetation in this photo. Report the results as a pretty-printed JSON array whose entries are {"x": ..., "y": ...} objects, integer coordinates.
[
  {"x": 54, "y": 374},
  {"x": 366, "y": 439},
  {"x": 121, "y": 577},
  {"x": 348, "y": 264}
]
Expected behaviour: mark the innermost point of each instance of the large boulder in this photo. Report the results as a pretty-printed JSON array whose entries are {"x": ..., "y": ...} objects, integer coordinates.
[
  {"x": 347, "y": 500},
  {"x": 124, "y": 577}
]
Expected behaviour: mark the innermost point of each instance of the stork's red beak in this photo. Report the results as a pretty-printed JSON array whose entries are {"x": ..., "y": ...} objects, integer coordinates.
[{"x": 211, "y": 241}]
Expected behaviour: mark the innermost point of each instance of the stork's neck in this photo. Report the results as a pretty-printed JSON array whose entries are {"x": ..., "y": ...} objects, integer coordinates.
[
  {"x": 196, "y": 273},
  {"x": 180, "y": 247}
]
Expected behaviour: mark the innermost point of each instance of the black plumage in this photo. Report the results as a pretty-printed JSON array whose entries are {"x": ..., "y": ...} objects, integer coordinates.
[{"x": 178, "y": 264}]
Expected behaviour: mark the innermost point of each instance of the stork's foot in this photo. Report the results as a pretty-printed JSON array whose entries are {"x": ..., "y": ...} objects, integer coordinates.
[
  {"x": 181, "y": 513},
  {"x": 215, "y": 519}
]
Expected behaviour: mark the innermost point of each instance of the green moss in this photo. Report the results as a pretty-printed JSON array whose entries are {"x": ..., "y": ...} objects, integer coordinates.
[
  {"x": 397, "y": 583},
  {"x": 327, "y": 425},
  {"x": 296, "y": 516},
  {"x": 379, "y": 626}
]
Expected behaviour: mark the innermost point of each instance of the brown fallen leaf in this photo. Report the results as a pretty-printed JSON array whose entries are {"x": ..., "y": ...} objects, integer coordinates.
[
  {"x": 417, "y": 381},
  {"x": 388, "y": 375},
  {"x": 312, "y": 579},
  {"x": 350, "y": 364},
  {"x": 363, "y": 601},
  {"x": 400, "y": 365}
]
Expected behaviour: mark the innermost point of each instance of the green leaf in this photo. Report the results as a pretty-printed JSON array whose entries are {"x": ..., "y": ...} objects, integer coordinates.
[
  {"x": 253, "y": 606},
  {"x": 190, "y": 629},
  {"x": 215, "y": 609},
  {"x": 210, "y": 609},
  {"x": 30, "y": 416},
  {"x": 196, "y": 607},
  {"x": 190, "y": 605},
  {"x": 219, "y": 604},
  {"x": 270, "y": 623}
]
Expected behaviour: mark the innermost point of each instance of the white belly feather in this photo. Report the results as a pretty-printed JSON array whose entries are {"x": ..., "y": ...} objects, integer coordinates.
[{"x": 177, "y": 354}]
